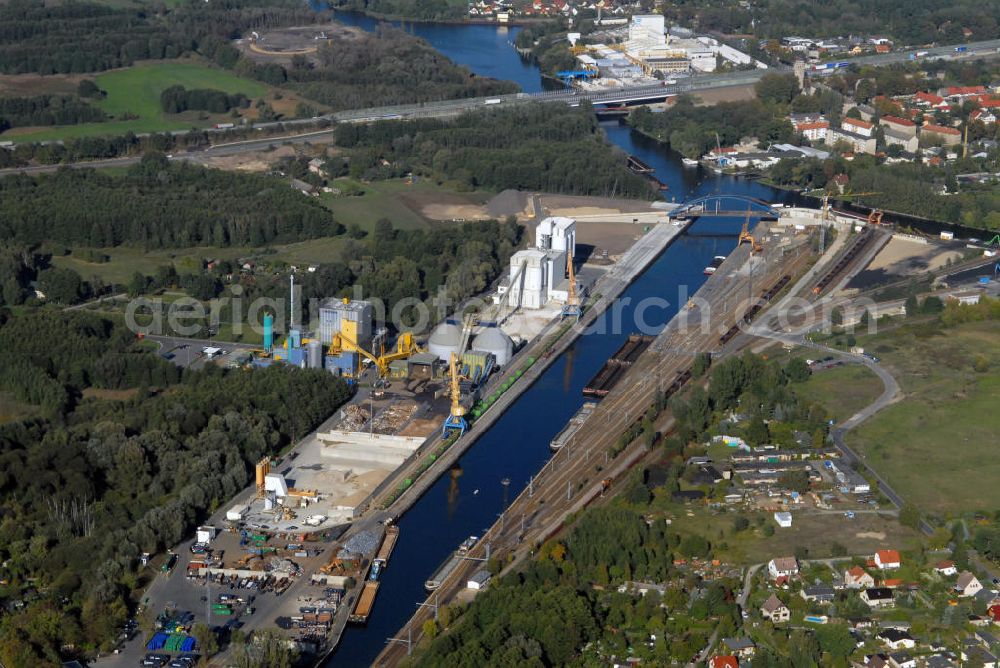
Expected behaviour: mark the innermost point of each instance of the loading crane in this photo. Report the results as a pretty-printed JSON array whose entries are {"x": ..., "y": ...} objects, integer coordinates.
[
  {"x": 456, "y": 418},
  {"x": 406, "y": 346},
  {"x": 572, "y": 306}
]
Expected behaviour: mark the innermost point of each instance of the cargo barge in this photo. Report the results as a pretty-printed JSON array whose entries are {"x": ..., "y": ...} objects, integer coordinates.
[
  {"x": 572, "y": 426},
  {"x": 366, "y": 600},
  {"x": 450, "y": 564},
  {"x": 617, "y": 365},
  {"x": 388, "y": 543}
]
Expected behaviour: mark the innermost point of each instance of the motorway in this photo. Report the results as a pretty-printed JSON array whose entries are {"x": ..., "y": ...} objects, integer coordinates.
[
  {"x": 573, "y": 477},
  {"x": 570, "y": 96}
]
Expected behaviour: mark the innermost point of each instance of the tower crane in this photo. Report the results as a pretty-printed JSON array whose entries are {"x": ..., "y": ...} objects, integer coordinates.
[
  {"x": 456, "y": 418},
  {"x": 572, "y": 306}
]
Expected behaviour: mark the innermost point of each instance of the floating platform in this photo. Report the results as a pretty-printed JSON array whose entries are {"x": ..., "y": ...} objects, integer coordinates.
[{"x": 616, "y": 366}]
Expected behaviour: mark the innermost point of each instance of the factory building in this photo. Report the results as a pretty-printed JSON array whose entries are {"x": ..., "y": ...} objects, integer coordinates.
[
  {"x": 352, "y": 319},
  {"x": 539, "y": 275}
]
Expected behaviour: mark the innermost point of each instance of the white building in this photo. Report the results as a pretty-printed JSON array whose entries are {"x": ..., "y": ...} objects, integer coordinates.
[
  {"x": 539, "y": 275},
  {"x": 647, "y": 31}
]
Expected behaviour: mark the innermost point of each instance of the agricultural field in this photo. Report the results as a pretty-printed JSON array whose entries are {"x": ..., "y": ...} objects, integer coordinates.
[
  {"x": 937, "y": 447},
  {"x": 136, "y": 91}
]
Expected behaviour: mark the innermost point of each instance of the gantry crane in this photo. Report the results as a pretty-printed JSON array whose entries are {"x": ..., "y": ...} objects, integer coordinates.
[
  {"x": 572, "y": 306},
  {"x": 456, "y": 418}
]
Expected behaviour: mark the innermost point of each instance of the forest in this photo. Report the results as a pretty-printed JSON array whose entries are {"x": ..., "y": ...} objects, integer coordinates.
[
  {"x": 158, "y": 204},
  {"x": 92, "y": 483},
  {"x": 912, "y": 22},
  {"x": 423, "y": 10},
  {"x": 528, "y": 147},
  {"x": 82, "y": 36},
  {"x": 176, "y": 99},
  {"x": 47, "y": 110},
  {"x": 384, "y": 69}
]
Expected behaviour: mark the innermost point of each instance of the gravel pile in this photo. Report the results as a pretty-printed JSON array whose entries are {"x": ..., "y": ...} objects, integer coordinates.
[{"x": 365, "y": 542}]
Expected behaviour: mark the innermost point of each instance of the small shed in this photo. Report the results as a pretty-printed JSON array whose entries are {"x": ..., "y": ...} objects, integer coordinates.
[{"x": 479, "y": 580}]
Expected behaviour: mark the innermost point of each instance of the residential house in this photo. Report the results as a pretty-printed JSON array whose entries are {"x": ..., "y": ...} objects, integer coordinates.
[
  {"x": 841, "y": 181},
  {"x": 931, "y": 101},
  {"x": 858, "y": 143},
  {"x": 818, "y": 594},
  {"x": 901, "y": 125},
  {"x": 910, "y": 143},
  {"x": 994, "y": 612},
  {"x": 783, "y": 566},
  {"x": 887, "y": 559},
  {"x": 783, "y": 518},
  {"x": 892, "y": 583},
  {"x": 987, "y": 116},
  {"x": 961, "y": 93},
  {"x": 858, "y": 127},
  {"x": 816, "y": 131},
  {"x": 896, "y": 638},
  {"x": 940, "y": 660},
  {"x": 902, "y": 660},
  {"x": 742, "y": 648},
  {"x": 316, "y": 166},
  {"x": 946, "y": 567},
  {"x": 775, "y": 610},
  {"x": 967, "y": 584},
  {"x": 723, "y": 662},
  {"x": 974, "y": 654},
  {"x": 947, "y": 136},
  {"x": 876, "y": 661},
  {"x": 877, "y": 597},
  {"x": 858, "y": 578}
]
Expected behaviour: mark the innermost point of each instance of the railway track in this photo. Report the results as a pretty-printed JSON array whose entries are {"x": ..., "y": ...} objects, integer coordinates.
[{"x": 579, "y": 472}]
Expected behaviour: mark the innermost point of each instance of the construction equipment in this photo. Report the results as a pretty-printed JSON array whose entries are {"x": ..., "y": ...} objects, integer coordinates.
[
  {"x": 406, "y": 346},
  {"x": 572, "y": 307},
  {"x": 875, "y": 217},
  {"x": 745, "y": 236},
  {"x": 456, "y": 418}
]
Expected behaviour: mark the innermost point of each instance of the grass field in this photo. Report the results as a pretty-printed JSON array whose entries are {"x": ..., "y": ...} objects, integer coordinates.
[
  {"x": 394, "y": 200},
  {"x": 137, "y": 89},
  {"x": 843, "y": 391},
  {"x": 817, "y": 532},
  {"x": 11, "y": 409},
  {"x": 937, "y": 448}
]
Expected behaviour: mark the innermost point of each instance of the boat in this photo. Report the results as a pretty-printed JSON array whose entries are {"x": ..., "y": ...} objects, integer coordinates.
[
  {"x": 572, "y": 426},
  {"x": 388, "y": 543},
  {"x": 688, "y": 162},
  {"x": 450, "y": 564},
  {"x": 366, "y": 600},
  {"x": 714, "y": 264},
  {"x": 616, "y": 366}
]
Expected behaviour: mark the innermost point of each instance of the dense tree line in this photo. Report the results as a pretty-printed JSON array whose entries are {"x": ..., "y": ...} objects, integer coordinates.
[
  {"x": 528, "y": 147},
  {"x": 47, "y": 110},
  {"x": 158, "y": 204},
  {"x": 176, "y": 99},
  {"x": 72, "y": 37},
  {"x": 909, "y": 21},
  {"x": 86, "y": 489},
  {"x": 388, "y": 68},
  {"x": 693, "y": 131},
  {"x": 423, "y": 10}
]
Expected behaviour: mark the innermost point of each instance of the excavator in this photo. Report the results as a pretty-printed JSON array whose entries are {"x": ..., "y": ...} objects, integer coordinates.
[
  {"x": 745, "y": 236},
  {"x": 456, "y": 418}
]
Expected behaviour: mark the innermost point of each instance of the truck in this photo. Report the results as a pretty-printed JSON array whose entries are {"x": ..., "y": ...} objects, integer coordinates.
[
  {"x": 494, "y": 100},
  {"x": 961, "y": 49},
  {"x": 169, "y": 564}
]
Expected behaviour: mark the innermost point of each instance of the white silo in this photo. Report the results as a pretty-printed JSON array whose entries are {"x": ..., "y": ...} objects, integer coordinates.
[
  {"x": 493, "y": 340},
  {"x": 445, "y": 340}
]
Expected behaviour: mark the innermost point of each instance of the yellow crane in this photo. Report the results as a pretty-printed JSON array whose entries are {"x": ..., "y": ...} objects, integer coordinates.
[
  {"x": 456, "y": 418},
  {"x": 406, "y": 346},
  {"x": 745, "y": 236},
  {"x": 572, "y": 307}
]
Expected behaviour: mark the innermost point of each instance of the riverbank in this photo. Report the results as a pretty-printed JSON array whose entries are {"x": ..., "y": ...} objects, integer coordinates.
[{"x": 633, "y": 263}]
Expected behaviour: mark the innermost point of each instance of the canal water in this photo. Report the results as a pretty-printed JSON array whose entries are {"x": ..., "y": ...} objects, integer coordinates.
[{"x": 468, "y": 501}]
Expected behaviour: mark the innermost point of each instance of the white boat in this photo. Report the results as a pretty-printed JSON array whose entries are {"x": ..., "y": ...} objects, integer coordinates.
[
  {"x": 714, "y": 264},
  {"x": 688, "y": 162}
]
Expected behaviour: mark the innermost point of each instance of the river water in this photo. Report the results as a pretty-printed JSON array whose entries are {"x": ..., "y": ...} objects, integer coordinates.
[{"x": 470, "y": 500}]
